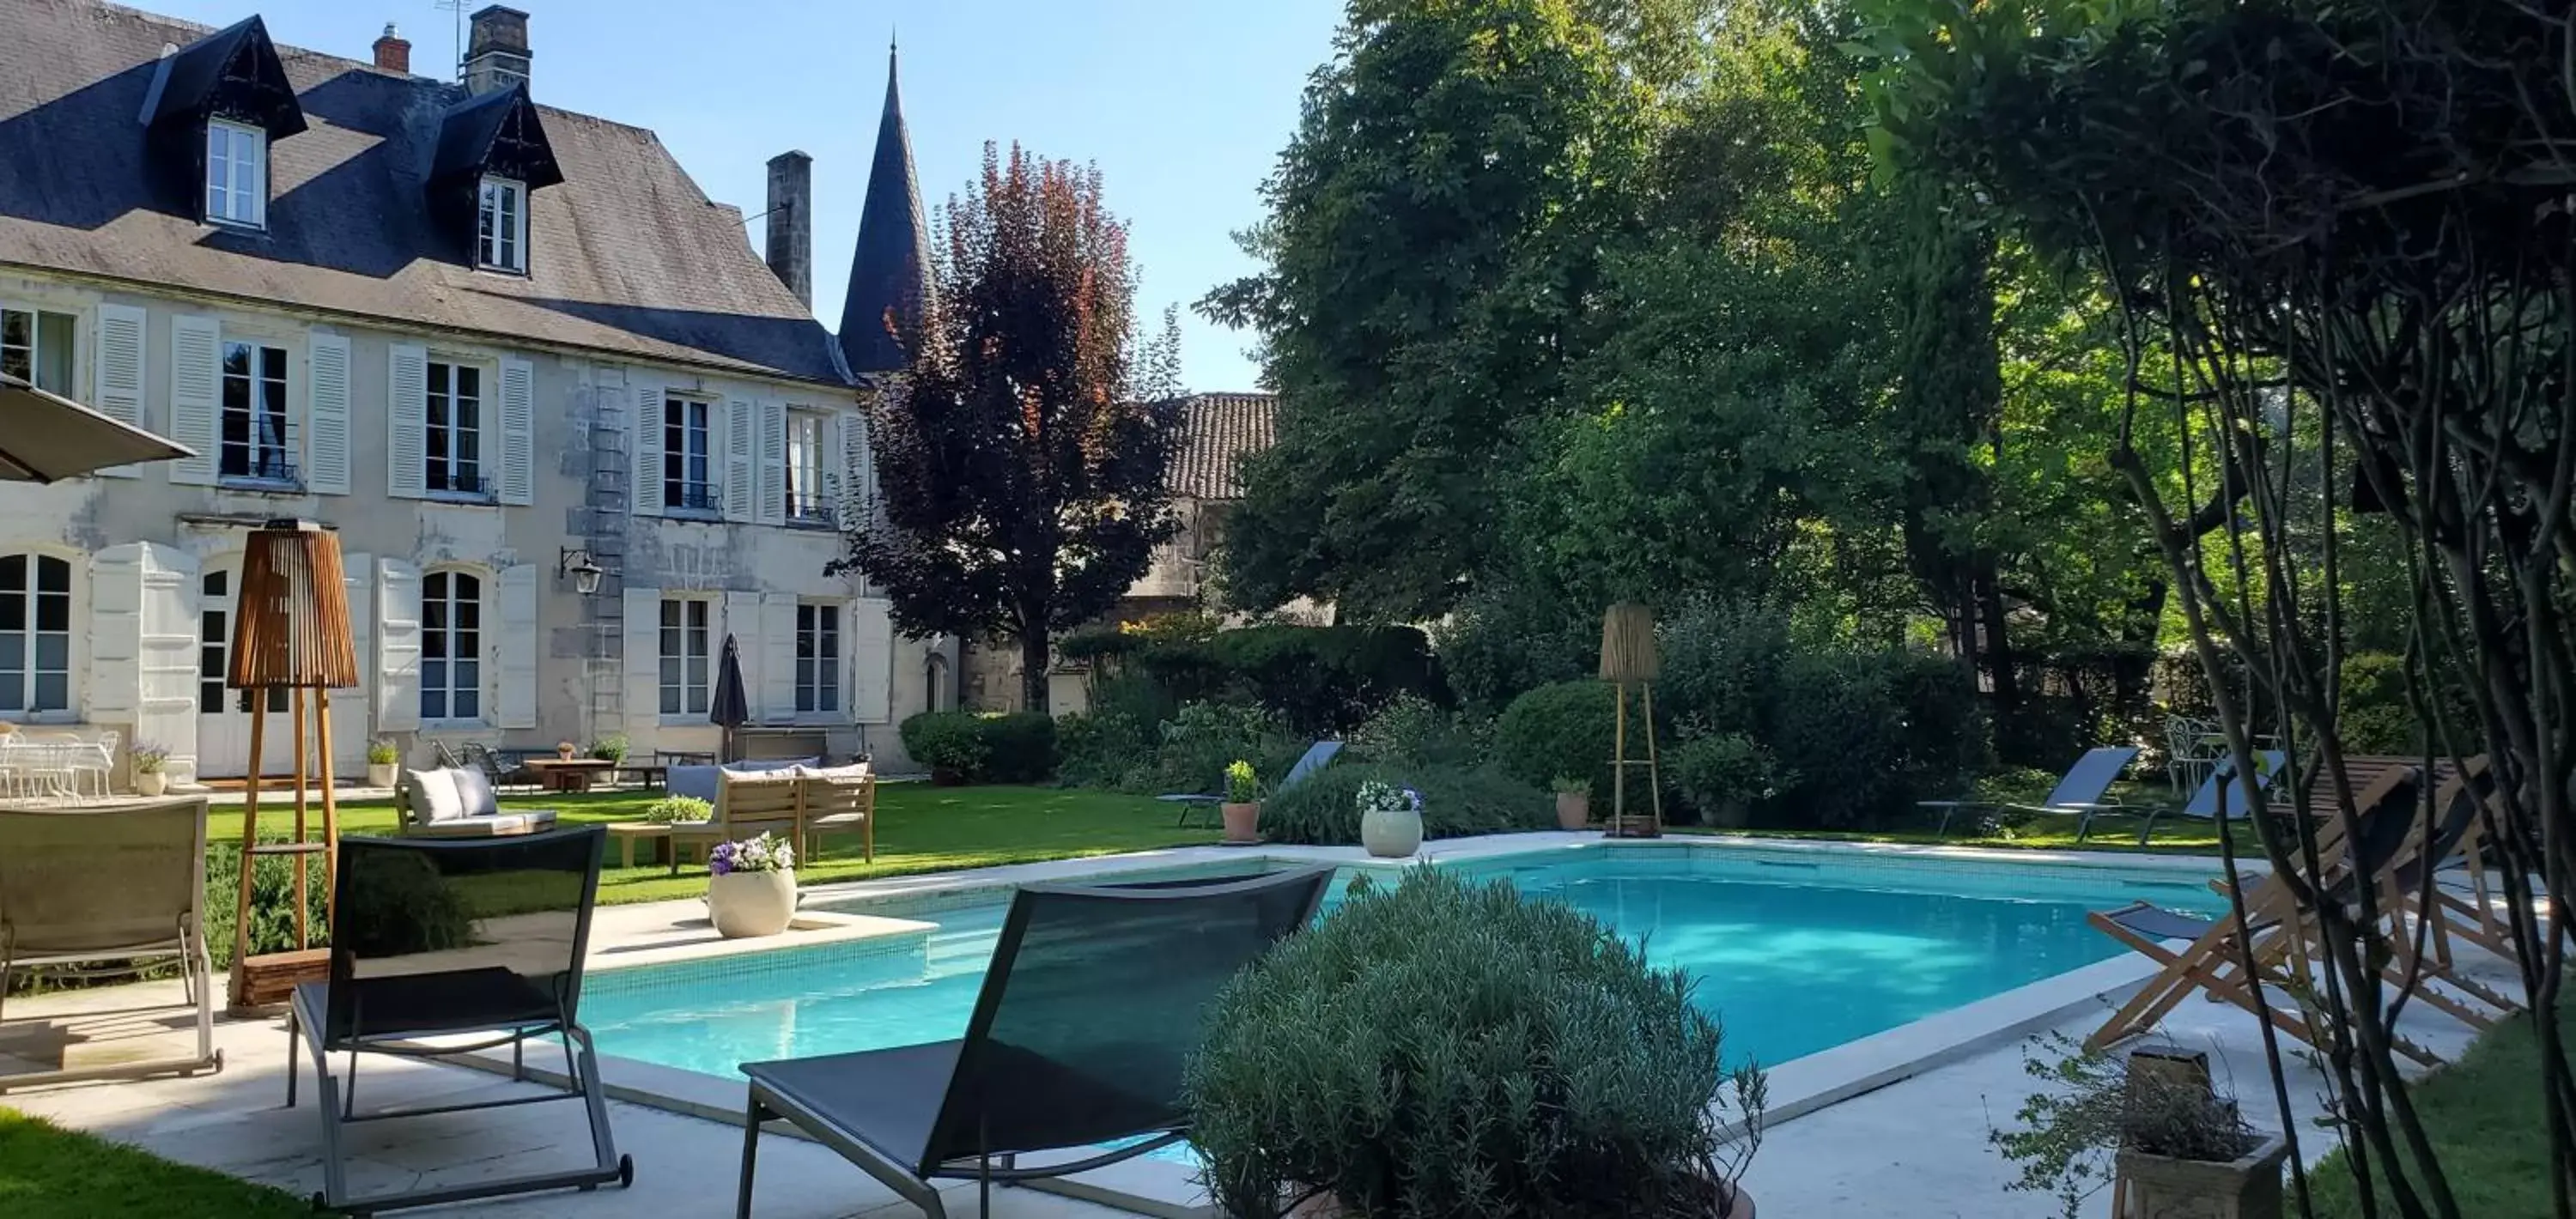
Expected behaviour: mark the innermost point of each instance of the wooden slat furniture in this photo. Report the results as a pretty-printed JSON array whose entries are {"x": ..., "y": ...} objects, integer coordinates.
[
  {"x": 799, "y": 806},
  {"x": 563, "y": 774}
]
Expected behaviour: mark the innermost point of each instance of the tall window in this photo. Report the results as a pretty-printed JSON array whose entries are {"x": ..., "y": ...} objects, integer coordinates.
[
  {"x": 501, "y": 226},
  {"x": 686, "y": 460},
  {"x": 38, "y": 346},
  {"x": 684, "y": 656},
  {"x": 805, "y": 499},
  {"x": 818, "y": 658},
  {"x": 35, "y": 633},
  {"x": 214, "y": 647},
  {"x": 254, "y": 435},
  {"x": 455, "y": 442},
  {"x": 236, "y": 174},
  {"x": 451, "y": 646}
]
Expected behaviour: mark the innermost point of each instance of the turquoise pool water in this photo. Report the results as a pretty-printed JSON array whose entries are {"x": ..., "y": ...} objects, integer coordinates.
[{"x": 1791, "y": 954}]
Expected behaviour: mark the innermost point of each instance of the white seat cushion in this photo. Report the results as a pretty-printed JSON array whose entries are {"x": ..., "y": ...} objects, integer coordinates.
[
  {"x": 434, "y": 797},
  {"x": 843, "y": 773}
]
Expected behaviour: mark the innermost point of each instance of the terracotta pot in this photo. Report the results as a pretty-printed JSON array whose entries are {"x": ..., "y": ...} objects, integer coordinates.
[
  {"x": 1391, "y": 833},
  {"x": 2248, "y": 1187},
  {"x": 1242, "y": 821},
  {"x": 565, "y": 752},
  {"x": 151, "y": 782},
  {"x": 1573, "y": 810},
  {"x": 382, "y": 774},
  {"x": 746, "y": 904}
]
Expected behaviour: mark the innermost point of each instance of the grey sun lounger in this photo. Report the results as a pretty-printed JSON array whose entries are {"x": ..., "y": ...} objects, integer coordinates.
[
  {"x": 414, "y": 956},
  {"x": 1318, "y": 756},
  {"x": 2247, "y": 798},
  {"x": 2079, "y": 792},
  {"x": 55, "y": 910},
  {"x": 1077, "y": 1040}
]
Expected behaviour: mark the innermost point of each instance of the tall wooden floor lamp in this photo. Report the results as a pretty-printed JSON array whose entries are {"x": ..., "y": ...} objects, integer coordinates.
[
  {"x": 290, "y": 632},
  {"x": 1628, "y": 658}
]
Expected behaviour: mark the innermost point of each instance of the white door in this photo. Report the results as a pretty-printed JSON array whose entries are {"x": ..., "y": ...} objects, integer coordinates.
[{"x": 223, "y": 715}]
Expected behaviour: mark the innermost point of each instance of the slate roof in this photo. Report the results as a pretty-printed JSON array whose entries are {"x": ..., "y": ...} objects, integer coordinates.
[
  {"x": 627, "y": 257},
  {"x": 1217, "y": 430},
  {"x": 890, "y": 270}
]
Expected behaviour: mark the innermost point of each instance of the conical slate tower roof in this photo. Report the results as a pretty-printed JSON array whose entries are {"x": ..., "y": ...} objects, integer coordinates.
[{"x": 891, "y": 269}]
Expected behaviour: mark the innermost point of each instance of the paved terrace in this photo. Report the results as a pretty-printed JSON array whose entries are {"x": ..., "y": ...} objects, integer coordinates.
[{"x": 1895, "y": 1124}]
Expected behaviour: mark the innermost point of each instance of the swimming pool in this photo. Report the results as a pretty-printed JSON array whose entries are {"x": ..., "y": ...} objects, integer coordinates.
[{"x": 1794, "y": 952}]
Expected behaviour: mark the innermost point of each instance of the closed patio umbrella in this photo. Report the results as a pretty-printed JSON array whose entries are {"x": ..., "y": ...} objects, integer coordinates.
[
  {"x": 45, "y": 437},
  {"x": 730, "y": 709}
]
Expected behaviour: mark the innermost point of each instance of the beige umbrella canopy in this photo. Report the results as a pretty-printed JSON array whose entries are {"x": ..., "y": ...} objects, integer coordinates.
[{"x": 45, "y": 437}]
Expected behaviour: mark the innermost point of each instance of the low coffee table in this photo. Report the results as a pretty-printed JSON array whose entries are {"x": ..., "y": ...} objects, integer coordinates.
[
  {"x": 568, "y": 774},
  {"x": 625, "y": 834}
]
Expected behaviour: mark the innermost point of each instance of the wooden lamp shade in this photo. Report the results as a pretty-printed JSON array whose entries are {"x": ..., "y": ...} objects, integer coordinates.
[
  {"x": 292, "y": 624},
  {"x": 1628, "y": 644}
]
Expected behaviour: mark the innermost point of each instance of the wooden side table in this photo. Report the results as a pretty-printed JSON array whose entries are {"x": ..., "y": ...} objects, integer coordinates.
[{"x": 568, "y": 774}]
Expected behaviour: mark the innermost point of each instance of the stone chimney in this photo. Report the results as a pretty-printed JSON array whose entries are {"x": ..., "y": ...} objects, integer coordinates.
[
  {"x": 791, "y": 223},
  {"x": 393, "y": 51},
  {"x": 496, "y": 54}
]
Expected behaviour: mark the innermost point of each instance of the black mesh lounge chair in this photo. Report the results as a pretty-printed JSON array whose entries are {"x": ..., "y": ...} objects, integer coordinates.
[
  {"x": 1318, "y": 755},
  {"x": 1092, "y": 1001},
  {"x": 475, "y": 942},
  {"x": 2080, "y": 791}
]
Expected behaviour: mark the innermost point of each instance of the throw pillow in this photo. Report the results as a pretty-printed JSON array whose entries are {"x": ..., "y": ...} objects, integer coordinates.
[
  {"x": 474, "y": 793},
  {"x": 433, "y": 795}
]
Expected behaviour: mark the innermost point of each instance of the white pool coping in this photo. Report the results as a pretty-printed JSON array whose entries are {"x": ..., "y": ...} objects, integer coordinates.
[{"x": 1156, "y": 1187}]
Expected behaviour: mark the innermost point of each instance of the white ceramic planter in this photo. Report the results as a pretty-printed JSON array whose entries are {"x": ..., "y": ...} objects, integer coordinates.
[
  {"x": 381, "y": 774},
  {"x": 746, "y": 904},
  {"x": 151, "y": 782},
  {"x": 1391, "y": 834}
]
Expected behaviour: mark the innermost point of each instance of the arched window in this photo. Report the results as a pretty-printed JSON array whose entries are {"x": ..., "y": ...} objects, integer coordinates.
[
  {"x": 35, "y": 634},
  {"x": 451, "y": 646}
]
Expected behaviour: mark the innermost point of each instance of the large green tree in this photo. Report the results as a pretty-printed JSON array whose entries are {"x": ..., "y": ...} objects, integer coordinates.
[
  {"x": 1432, "y": 271},
  {"x": 1020, "y": 455}
]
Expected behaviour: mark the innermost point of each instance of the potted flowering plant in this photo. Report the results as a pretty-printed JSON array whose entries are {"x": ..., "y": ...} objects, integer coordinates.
[
  {"x": 751, "y": 886},
  {"x": 149, "y": 778},
  {"x": 1242, "y": 807},
  {"x": 382, "y": 758},
  {"x": 1390, "y": 819},
  {"x": 566, "y": 750}
]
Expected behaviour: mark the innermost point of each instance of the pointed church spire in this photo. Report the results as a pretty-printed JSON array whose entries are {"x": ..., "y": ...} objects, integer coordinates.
[{"x": 891, "y": 269}]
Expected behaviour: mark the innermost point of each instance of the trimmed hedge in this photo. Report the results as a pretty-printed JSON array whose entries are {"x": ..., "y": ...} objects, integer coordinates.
[
  {"x": 984, "y": 747},
  {"x": 1456, "y": 801},
  {"x": 1563, "y": 730},
  {"x": 1323, "y": 680}
]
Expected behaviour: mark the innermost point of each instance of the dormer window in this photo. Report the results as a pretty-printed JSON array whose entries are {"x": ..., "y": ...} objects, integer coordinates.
[
  {"x": 501, "y": 227},
  {"x": 236, "y": 174}
]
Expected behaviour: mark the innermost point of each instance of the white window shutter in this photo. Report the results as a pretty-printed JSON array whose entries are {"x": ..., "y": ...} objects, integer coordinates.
[
  {"x": 326, "y": 434},
  {"x": 518, "y": 436},
  {"x": 741, "y": 459},
  {"x": 518, "y": 646},
  {"x": 778, "y": 658},
  {"x": 857, "y": 475},
  {"x": 351, "y": 713},
  {"x": 196, "y": 388},
  {"x": 869, "y": 651},
  {"x": 643, "y": 666},
  {"x": 407, "y": 421},
  {"x": 772, "y": 508},
  {"x": 644, "y": 455},
  {"x": 115, "y": 682},
  {"x": 118, "y": 363},
  {"x": 142, "y": 638},
  {"x": 397, "y": 646}
]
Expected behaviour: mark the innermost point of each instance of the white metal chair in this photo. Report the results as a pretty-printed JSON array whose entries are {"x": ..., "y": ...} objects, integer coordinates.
[
  {"x": 2192, "y": 748},
  {"x": 91, "y": 763}
]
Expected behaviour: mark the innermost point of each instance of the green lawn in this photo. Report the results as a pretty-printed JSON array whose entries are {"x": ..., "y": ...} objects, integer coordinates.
[
  {"x": 920, "y": 828},
  {"x": 50, "y": 1173},
  {"x": 2045, "y": 831},
  {"x": 2484, "y": 1116}
]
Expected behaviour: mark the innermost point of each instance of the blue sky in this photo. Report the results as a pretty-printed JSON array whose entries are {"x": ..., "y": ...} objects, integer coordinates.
[{"x": 1183, "y": 103}]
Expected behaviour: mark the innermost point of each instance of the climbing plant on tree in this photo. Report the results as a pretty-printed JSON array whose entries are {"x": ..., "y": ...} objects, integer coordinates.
[
  {"x": 1020, "y": 454},
  {"x": 2336, "y": 237}
]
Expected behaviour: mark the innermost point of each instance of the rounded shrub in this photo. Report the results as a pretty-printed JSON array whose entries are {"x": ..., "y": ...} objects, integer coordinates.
[
  {"x": 945, "y": 740},
  {"x": 1561, "y": 729},
  {"x": 984, "y": 747},
  {"x": 1456, "y": 802},
  {"x": 1445, "y": 1050}
]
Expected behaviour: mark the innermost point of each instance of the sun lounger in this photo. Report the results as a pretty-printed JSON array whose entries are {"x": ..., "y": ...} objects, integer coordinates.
[
  {"x": 2243, "y": 800},
  {"x": 2393, "y": 849},
  {"x": 111, "y": 888},
  {"x": 1318, "y": 756},
  {"x": 1077, "y": 1040},
  {"x": 2080, "y": 792},
  {"x": 414, "y": 956}
]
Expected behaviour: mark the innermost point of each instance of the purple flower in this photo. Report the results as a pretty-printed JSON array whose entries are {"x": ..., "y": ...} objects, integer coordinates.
[
  {"x": 720, "y": 861},
  {"x": 1414, "y": 798}
]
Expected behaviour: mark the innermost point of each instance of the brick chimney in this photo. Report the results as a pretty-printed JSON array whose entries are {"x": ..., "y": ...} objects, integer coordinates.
[
  {"x": 791, "y": 223},
  {"x": 496, "y": 53},
  {"x": 393, "y": 51}
]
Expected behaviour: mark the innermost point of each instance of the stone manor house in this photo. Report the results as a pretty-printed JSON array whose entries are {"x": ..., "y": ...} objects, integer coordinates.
[{"x": 492, "y": 342}]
